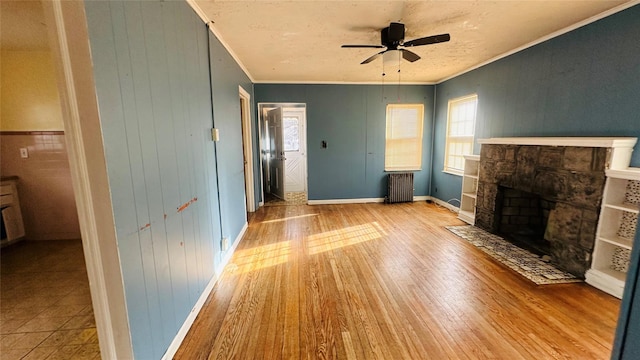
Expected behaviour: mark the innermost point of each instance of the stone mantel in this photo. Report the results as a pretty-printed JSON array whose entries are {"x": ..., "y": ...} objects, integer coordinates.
[
  {"x": 609, "y": 142},
  {"x": 619, "y": 158}
]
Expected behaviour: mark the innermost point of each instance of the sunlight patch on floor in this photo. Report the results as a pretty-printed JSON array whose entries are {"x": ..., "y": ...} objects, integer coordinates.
[
  {"x": 336, "y": 239},
  {"x": 288, "y": 218},
  {"x": 260, "y": 257}
]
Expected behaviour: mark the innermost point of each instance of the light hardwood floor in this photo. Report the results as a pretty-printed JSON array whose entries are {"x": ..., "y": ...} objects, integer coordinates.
[{"x": 376, "y": 281}]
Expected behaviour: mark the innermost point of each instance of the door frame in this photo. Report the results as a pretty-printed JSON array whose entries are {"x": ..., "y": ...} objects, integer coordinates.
[
  {"x": 263, "y": 108},
  {"x": 69, "y": 42},
  {"x": 247, "y": 144}
]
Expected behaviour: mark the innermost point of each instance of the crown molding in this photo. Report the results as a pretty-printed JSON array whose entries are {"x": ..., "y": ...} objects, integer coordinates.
[{"x": 560, "y": 32}]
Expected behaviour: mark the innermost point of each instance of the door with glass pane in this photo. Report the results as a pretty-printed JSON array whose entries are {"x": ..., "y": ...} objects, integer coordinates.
[{"x": 294, "y": 147}]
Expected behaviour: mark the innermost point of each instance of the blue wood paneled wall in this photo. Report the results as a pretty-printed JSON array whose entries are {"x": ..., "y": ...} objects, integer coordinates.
[
  {"x": 352, "y": 120},
  {"x": 226, "y": 77},
  {"x": 152, "y": 72},
  {"x": 583, "y": 83}
]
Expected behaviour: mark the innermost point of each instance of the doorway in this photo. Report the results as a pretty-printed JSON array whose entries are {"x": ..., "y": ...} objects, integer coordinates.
[
  {"x": 283, "y": 152},
  {"x": 247, "y": 148}
]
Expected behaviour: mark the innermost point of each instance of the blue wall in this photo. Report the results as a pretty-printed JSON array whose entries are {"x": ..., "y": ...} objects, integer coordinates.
[
  {"x": 226, "y": 77},
  {"x": 584, "y": 83},
  {"x": 351, "y": 119},
  {"x": 152, "y": 71}
]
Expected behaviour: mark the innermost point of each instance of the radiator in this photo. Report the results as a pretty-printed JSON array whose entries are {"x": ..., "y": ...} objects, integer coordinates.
[{"x": 400, "y": 187}]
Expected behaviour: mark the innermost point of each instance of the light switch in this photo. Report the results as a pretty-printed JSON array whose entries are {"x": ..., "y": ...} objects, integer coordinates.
[{"x": 24, "y": 153}]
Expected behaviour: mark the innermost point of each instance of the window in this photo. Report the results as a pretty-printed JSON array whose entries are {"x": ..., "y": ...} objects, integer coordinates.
[
  {"x": 461, "y": 124},
  {"x": 290, "y": 134},
  {"x": 403, "y": 147}
]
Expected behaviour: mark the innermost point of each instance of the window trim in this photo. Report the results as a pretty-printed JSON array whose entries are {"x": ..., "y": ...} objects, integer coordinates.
[
  {"x": 420, "y": 109},
  {"x": 447, "y": 169}
]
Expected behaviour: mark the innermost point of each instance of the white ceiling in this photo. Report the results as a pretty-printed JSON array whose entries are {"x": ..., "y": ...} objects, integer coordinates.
[{"x": 299, "y": 41}]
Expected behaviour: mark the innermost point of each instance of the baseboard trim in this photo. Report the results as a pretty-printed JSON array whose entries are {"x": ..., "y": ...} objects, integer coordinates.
[
  {"x": 184, "y": 329},
  {"x": 359, "y": 200},
  {"x": 345, "y": 201},
  {"x": 232, "y": 250},
  {"x": 445, "y": 204}
]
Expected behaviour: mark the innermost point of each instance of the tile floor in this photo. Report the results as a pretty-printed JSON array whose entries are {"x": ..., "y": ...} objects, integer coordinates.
[
  {"x": 45, "y": 304},
  {"x": 291, "y": 198}
]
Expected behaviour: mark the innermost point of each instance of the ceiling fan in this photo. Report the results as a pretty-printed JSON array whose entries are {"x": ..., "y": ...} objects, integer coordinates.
[{"x": 392, "y": 38}]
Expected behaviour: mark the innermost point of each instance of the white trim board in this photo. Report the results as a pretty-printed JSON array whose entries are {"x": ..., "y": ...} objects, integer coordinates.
[
  {"x": 247, "y": 145},
  {"x": 232, "y": 250},
  {"x": 376, "y": 82},
  {"x": 194, "y": 5},
  {"x": 445, "y": 204},
  {"x": 72, "y": 59},
  {"x": 345, "y": 201},
  {"x": 359, "y": 200},
  {"x": 613, "y": 142},
  {"x": 186, "y": 326}
]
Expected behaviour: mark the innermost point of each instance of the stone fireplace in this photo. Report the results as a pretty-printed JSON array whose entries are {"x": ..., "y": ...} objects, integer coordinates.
[{"x": 567, "y": 183}]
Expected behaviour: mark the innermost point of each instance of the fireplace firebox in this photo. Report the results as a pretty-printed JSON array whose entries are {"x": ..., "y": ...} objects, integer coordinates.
[{"x": 523, "y": 219}]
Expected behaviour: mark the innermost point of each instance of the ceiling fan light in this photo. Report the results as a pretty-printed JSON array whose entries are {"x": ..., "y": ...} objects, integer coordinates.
[{"x": 391, "y": 59}]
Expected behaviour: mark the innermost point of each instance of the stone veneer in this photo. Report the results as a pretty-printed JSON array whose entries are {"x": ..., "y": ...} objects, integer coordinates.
[{"x": 572, "y": 177}]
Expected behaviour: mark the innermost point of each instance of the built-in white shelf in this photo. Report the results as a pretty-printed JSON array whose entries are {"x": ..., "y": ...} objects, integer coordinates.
[
  {"x": 470, "y": 177},
  {"x": 615, "y": 216},
  {"x": 624, "y": 207},
  {"x": 471, "y": 195},
  {"x": 617, "y": 241}
]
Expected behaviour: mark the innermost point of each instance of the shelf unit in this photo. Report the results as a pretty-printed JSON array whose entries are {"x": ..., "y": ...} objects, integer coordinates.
[
  {"x": 615, "y": 232},
  {"x": 467, "y": 211}
]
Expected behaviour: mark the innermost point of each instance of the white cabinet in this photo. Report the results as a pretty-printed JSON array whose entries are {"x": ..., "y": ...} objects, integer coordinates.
[
  {"x": 12, "y": 225},
  {"x": 616, "y": 230},
  {"x": 467, "y": 211}
]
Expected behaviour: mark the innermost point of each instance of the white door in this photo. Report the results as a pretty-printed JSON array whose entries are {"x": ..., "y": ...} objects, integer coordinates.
[
  {"x": 295, "y": 150},
  {"x": 276, "y": 153}
]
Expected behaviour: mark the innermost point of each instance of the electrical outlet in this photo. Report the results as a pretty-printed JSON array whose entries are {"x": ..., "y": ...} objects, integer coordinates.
[
  {"x": 24, "y": 153},
  {"x": 224, "y": 244}
]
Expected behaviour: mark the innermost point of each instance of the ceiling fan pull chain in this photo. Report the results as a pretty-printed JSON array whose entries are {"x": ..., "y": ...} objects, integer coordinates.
[
  {"x": 383, "y": 75},
  {"x": 399, "y": 75}
]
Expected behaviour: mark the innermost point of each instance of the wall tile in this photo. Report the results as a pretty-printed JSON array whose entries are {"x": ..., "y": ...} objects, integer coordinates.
[{"x": 45, "y": 190}]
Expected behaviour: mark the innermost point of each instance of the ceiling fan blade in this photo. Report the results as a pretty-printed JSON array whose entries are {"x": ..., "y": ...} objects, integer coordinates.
[
  {"x": 428, "y": 40},
  {"x": 409, "y": 56},
  {"x": 373, "y": 57},
  {"x": 363, "y": 46}
]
